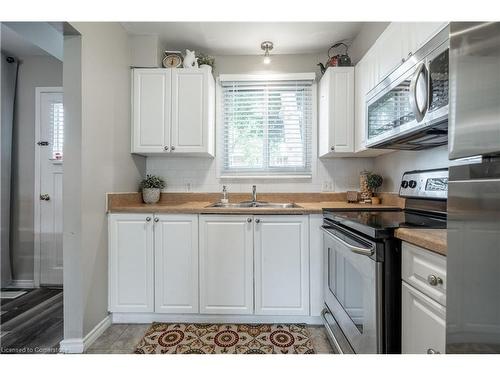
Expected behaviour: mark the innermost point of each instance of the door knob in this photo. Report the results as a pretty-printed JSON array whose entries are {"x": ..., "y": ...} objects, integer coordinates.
[
  {"x": 257, "y": 221},
  {"x": 434, "y": 280},
  {"x": 172, "y": 148},
  {"x": 157, "y": 219},
  {"x": 148, "y": 219},
  {"x": 165, "y": 148},
  {"x": 44, "y": 197},
  {"x": 249, "y": 220},
  {"x": 332, "y": 148},
  {"x": 432, "y": 351}
]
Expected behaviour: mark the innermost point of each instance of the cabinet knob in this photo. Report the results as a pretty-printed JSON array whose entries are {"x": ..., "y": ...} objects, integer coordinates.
[
  {"x": 165, "y": 148},
  {"x": 172, "y": 148},
  {"x": 434, "y": 280},
  {"x": 148, "y": 219},
  {"x": 432, "y": 351},
  {"x": 249, "y": 220},
  {"x": 332, "y": 148},
  {"x": 257, "y": 221},
  {"x": 156, "y": 219}
]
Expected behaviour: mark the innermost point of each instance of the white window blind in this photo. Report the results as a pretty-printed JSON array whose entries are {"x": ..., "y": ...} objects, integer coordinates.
[
  {"x": 57, "y": 129},
  {"x": 267, "y": 127}
]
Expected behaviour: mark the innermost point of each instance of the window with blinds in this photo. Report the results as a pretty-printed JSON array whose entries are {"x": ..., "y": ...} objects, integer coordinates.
[
  {"x": 57, "y": 129},
  {"x": 267, "y": 127}
]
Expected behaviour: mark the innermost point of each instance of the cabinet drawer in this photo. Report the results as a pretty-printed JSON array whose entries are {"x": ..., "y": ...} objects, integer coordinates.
[
  {"x": 423, "y": 323},
  {"x": 426, "y": 271}
]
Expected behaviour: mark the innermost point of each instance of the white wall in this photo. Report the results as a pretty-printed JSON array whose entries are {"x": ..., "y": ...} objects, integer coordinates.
[
  {"x": 199, "y": 174},
  {"x": 101, "y": 163},
  {"x": 392, "y": 166},
  {"x": 34, "y": 71},
  {"x": 368, "y": 34}
]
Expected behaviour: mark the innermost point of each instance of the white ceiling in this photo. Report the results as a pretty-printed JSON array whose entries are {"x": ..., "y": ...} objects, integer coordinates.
[
  {"x": 244, "y": 38},
  {"x": 14, "y": 44}
]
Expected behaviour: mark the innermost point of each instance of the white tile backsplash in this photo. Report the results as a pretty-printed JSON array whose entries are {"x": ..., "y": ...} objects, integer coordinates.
[{"x": 200, "y": 175}]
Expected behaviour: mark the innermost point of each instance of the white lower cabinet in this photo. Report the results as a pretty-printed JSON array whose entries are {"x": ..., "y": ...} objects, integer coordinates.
[
  {"x": 226, "y": 264},
  {"x": 423, "y": 301},
  {"x": 209, "y": 264},
  {"x": 281, "y": 246},
  {"x": 424, "y": 323},
  {"x": 176, "y": 263},
  {"x": 131, "y": 263}
]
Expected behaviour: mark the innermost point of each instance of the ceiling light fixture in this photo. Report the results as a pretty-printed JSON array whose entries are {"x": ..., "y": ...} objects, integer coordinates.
[{"x": 266, "y": 47}]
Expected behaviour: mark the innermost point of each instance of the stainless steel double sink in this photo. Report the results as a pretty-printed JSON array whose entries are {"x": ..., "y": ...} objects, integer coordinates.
[{"x": 251, "y": 204}]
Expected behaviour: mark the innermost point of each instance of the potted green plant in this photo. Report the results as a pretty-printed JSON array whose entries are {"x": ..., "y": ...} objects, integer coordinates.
[
  {"x": 205, "y": 60},
  {"x": 374, "y": 181},
  {"x": 151, "y": 187}
]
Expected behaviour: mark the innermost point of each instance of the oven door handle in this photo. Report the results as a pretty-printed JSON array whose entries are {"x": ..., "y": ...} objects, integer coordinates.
[{"x": 354, "y": 249}]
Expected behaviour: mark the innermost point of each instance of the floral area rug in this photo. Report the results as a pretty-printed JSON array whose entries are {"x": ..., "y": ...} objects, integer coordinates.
[{"x": 185, "y": 338}]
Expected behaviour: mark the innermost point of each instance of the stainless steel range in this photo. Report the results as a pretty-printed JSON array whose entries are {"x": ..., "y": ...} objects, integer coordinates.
[{"x": 362, "y": 274}]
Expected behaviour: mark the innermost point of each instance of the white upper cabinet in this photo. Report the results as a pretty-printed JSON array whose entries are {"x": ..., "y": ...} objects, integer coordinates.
[
  {"x": 152, "y": 105},
  {"x": 281, "y": 247},
  {"x": 173, "y": 111},
  {"x": 336, "y": 112},
  {"x": 176, "y": 263}
]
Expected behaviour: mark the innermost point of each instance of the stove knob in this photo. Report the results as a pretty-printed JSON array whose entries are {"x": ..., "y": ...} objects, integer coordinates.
[
  {"x": 404, "y": 184},
  {"x": 413, "y": 184}
]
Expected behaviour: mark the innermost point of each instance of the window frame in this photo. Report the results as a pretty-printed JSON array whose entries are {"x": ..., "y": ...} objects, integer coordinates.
[{"x": 221, "y": 173}]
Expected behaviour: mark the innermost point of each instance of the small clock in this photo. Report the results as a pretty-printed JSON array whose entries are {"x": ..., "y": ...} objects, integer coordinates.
[{"x": 172, "y": 59}]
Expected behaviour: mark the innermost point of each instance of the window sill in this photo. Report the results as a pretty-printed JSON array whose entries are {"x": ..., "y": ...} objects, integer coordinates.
[{"x": 266, "y": 177}]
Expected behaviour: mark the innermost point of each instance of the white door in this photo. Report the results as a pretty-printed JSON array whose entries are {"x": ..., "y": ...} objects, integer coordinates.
[
  {"x": 152, "y": 101},
  {"x": 423, "y": 323},
  {"x": 176, "y": 263},
  {"x": 226, "y": 264},
  {"x": 48, "y": 185},
  {"x": 342, "y": 108},
  {"x": 131, "y": 268},
  {"x": 189, "y": 110},
  {"x": 281, "y": 265}
]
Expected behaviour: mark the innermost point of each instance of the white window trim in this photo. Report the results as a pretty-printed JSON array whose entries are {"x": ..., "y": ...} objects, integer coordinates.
[{"x": 219, "y": 125}]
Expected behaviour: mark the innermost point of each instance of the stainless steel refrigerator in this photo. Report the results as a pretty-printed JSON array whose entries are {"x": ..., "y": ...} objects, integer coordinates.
[{"x": 473, "y": 261}]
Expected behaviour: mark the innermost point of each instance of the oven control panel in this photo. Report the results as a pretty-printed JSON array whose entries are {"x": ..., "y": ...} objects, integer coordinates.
[{"x": 432, "y": 184}]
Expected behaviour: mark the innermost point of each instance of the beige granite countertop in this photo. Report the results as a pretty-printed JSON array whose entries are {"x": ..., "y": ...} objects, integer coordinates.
[
  {"x": 431, "y": 239},
  {"x": 308, "y": 203}
]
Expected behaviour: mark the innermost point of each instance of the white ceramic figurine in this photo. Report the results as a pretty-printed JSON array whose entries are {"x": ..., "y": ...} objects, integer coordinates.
[{"x": 190, "y": 60}]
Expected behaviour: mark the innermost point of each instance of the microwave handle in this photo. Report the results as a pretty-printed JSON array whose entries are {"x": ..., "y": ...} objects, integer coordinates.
[
  {"x": 354, "y": 249},
  {"x": 419, "y": 114}
]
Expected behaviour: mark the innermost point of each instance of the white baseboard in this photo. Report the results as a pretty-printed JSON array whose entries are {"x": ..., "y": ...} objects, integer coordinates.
[
  {"x": 201, "y": 318},
  {"x": 22, "y": 284},
  {"x": 78, "y": 346}
]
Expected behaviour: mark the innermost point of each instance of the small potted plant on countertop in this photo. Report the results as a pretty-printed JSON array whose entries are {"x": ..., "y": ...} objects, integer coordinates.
[
  {"x": 151, "y": 188},
  {"x": 374, "y": 181},
  {"x": 205, "y": 61}
]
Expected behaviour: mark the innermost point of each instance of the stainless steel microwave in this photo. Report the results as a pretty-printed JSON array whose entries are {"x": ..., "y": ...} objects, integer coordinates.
[{"x": 408, "y": 110}]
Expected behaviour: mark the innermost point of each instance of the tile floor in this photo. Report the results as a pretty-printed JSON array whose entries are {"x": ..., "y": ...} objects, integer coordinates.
[{"x": 123, "y": 338}]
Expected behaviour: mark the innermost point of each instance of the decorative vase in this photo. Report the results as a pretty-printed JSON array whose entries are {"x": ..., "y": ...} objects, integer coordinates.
[
  {"x": 366, "y": 193},
  {"x": 375, "y": 200},
  {"x": 150, "y": 195}
]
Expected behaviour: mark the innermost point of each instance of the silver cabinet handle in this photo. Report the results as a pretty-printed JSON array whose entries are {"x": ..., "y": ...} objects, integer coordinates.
[
  {"x": 419, "y": 114},
  {"x": 172, "y": 148},
  {"x": 432, "y": 351},
  {"x": 434, "y": 280},
  {"x": 44, "y": 197},
  {"x": 257, "y": 221},
  {"x": 332, "y": 148},
  {"x": 165, "y": 148},
  {"x": 148, "y": 219},
  {"x": 354, "y": 249},
  {"x": 249, "y": 220},
  {"x": 156, "y": 220}
]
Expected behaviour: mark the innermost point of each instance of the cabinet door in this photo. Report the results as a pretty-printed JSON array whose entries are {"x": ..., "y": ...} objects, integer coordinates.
[
  {"x": 336, "y": 111},
  {"x": 131, "y": 272},
  {"x": 424, "y": 323},
  {"x": 281, "y": 265},
  {"x": 176, "y": 263},
  {"x": 192, "y": 97},
  {"x": 152, "y": 101},
  {"x": 226, "y": 264}
]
